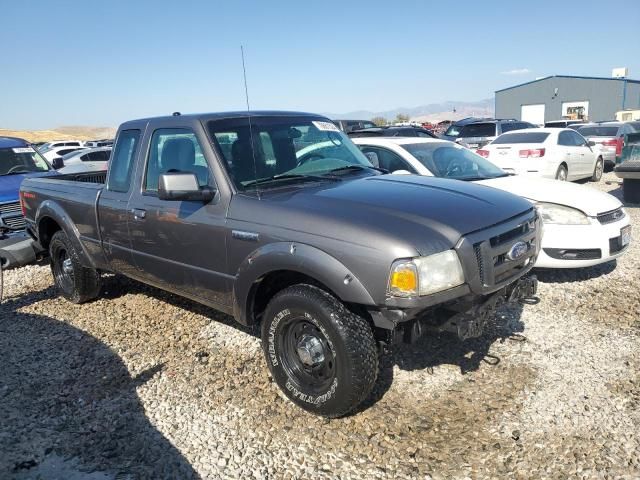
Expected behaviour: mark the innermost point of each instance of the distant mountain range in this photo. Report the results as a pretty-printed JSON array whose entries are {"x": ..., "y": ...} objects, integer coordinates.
[
  {"x": 61, "y": 133},
  {"x": 434, "y": 112}
]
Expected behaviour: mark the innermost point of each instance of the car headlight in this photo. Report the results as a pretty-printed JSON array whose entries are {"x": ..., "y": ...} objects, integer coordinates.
[
  {"x": 562, "y": 215},
  {"x": 425, "y": 275}
]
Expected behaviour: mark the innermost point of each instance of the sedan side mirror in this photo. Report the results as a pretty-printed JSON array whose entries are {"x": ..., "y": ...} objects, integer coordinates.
[
  {"x": 591, "y": 143},
  {"x": 183, "y": 186},
  {"x": 58, "y": 163}
]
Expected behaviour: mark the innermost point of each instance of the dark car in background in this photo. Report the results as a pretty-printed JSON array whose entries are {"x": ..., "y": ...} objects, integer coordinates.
[
  {"x": 393, "y": 131},
  {"x": 573, "y": 124},
  {"x": 454, "y": 129},
  {"x": 476, "y": 135},
  {"x": 349, "y": 125}
]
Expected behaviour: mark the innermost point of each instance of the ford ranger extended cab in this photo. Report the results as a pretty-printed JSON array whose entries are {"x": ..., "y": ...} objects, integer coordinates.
[{"x": 278, "y": 219}]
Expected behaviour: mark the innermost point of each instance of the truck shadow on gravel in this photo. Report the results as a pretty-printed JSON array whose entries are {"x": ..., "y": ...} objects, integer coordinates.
[
  {"x": 429, "y": 352},
  {"x": 434, "y": 350},
  {"x": 69, "y": 407}
]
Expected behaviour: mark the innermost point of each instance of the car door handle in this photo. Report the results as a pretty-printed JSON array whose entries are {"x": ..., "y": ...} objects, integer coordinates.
[{"x": 139, "y": 213}]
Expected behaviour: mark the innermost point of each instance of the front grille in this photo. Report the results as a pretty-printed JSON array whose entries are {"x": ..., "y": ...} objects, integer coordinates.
[
  {"x": 611, "y": 216},
  {"x": 494, "y": 254},
  {"x": 573, "y": 254},
  {"x": 8, "y": 208},
  {"x": 11, "y": 216}
]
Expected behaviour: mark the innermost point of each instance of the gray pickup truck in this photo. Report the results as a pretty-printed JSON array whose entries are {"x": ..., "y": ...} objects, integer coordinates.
[{"x": 278, "y": 219}]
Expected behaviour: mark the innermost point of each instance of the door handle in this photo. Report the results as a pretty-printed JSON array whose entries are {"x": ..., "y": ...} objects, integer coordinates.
[{"x": 139, "y": 213}]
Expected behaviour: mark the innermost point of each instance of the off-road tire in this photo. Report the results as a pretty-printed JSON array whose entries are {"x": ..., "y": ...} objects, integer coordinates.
[
  {"x": 598, "y": 170},
  {"x": 631, "y": 190},
  {"x": 348, "y": 339},
  {"x": 77, "y": 284},
  {"x": 560, "y": 176}
]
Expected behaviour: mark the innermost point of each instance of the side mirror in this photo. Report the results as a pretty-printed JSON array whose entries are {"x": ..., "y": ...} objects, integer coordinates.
[
  {"x": 183, "y": 186},
  {"x": 591, "y": 143},
  {"x": 373, "y": 158},
  {"x": 57, "y": 163},
  {"x": 401, "y": 172}
]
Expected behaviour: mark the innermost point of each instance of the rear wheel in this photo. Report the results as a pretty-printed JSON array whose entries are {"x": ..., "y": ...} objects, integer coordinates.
[
  {"x": 562, "y": 173},
  {"x": 631, "y": 190},
  {"x": 76, "y": 283},
  {"x": 597, "y": 170},
  {"x": 321, "y": 355}
]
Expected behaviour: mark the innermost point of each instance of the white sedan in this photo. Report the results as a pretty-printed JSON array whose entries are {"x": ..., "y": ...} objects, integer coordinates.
[
  {"x": 582, "y": 226},
  {"x": 85, "y": 160},
  {"x": 559, "y": 153}
]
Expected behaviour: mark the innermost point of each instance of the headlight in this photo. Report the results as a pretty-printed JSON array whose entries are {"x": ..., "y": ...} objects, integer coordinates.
[
  {"x": 425, "y": 275},
  {"x": 559, "y": 214}
]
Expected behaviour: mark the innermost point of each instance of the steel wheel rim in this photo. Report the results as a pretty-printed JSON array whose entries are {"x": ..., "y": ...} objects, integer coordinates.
[
  {"x": 63, "y": 270},
  {"x": 300, "y": 335},
  {"x": 562, "y": 175},
  {"x": 599, "y": 169}
]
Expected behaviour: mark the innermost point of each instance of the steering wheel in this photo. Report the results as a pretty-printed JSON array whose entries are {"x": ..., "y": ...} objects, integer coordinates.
[
  {"x": 312, "y": 157},
  {"x": 454, "y": 169},
  {"x": 17, "y": 168}
]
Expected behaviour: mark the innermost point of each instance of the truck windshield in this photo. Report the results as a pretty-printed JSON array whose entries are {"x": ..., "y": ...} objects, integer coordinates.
[
  {"x": 293, "y": 149},
  {"x": 17, "y": 160},
  {"x": 443, "y": 159}
]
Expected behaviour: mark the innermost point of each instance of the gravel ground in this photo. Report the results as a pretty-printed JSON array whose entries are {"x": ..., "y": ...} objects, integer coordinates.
[{"x": 140, "y": 384}]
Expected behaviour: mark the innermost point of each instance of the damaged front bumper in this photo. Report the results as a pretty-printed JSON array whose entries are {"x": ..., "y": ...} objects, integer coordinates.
[{"x": 467, "y": 316}]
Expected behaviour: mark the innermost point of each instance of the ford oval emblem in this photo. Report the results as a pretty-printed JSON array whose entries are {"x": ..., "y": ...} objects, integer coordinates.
[{"x": 517, "y": 250}]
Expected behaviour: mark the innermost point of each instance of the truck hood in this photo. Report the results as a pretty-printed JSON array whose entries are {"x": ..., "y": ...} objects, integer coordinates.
[
  {"x": 387, "y": 211},
  {"x": 584, "y": 198},
  {"x": 10, "y": 184}
]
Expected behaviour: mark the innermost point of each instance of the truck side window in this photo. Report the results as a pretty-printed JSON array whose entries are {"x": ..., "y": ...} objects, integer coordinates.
[
  {"x": 122, "y": 163},
  {"x": 175, "y": 150}
]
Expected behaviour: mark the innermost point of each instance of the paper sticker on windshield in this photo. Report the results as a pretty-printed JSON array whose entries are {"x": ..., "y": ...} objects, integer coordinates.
[
  {"x": 23, "y": 150},
  {"x": 325, "y": 126}
]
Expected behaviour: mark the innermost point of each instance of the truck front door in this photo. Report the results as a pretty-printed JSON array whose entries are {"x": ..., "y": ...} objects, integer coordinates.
[{"x": 179, "y": 245}]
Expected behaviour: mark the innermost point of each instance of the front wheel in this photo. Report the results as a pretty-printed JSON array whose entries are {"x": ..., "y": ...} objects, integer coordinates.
[
  {"x": 76, "y": 283},
  {"x": 597, "y": 170},
  {"x": 562, "y": 173},
  {"x": 321, "y": 355}
]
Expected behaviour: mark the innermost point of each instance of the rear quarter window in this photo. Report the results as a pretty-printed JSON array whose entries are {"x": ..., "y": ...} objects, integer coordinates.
[
  {"x": 522, "y": 137},
  {"x": 478, "y": 130}
]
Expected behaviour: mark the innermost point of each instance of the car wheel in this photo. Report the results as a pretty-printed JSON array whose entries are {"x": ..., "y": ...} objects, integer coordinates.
[
  {"x": 597, "y": 170},
  {"x": 76, "y": 283},
  {"x": 562, "y": 173},
  {"x": 321, "y": 355},
  {"x": 631, "y": 190}
]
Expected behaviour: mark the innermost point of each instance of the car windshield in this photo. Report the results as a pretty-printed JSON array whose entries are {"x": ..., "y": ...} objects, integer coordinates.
[
  {"x": 446, "y": 160},
  {"x": 18, "y": 160},
  {"x": 521, "y": 137},
  {"x": 599, "y": 131},
  {"x": 293, "y": 149}
]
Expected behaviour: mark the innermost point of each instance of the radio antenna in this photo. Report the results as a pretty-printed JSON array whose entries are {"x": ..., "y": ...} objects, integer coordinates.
[{"x": 246, "y": 94}]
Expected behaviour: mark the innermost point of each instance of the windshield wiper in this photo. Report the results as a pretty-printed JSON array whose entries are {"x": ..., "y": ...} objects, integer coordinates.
[
  {"x": 16, "y": 173},
  {"x": 356, "y": 168},
  {"x": 286, "y": 176}
]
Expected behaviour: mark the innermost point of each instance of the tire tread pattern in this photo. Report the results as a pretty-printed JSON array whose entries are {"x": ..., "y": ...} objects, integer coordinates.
[
  {"x": 358, "y": 339},
  {"x": 87, "y": 283}
]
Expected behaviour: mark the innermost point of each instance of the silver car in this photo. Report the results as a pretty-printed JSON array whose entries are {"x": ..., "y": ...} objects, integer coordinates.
[{"x": 608, "y": 137}]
